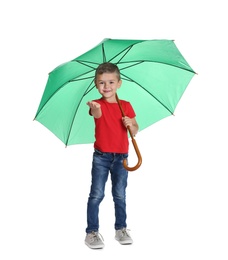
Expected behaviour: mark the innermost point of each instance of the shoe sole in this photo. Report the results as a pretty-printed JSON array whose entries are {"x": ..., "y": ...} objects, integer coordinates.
[
  {"x": 127, "y": 242},
  {"x": 94, "y": 247}
]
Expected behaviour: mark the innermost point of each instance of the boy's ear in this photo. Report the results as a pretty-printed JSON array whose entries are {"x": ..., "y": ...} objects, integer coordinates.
[
  {"x": 119, "y": 83},
  {"x": 95, "y": 83}
]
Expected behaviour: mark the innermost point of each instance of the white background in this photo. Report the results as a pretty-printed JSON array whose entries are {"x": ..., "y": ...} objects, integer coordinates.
[{"x": 177, "y": 200}]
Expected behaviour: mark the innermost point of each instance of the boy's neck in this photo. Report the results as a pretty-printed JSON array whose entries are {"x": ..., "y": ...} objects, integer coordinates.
[{"x": 110, "y": 100}]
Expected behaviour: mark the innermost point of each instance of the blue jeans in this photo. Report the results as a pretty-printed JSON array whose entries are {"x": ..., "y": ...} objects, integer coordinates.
[{"x": 102, "y": 164}]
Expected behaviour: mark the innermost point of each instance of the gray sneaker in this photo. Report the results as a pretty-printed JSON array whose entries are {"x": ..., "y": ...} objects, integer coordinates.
[
  {"x": 94, "y": 240},
  {"x": 123, "y": 236}
]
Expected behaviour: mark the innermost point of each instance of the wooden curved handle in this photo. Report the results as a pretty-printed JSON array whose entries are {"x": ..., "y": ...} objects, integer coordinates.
[{"x": 138, "y": 155}]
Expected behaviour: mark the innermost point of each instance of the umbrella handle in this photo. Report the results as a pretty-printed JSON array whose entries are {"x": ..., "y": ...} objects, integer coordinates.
[
  {"x": 138, "y": 155},
  {"x": 133, "y": 142}
]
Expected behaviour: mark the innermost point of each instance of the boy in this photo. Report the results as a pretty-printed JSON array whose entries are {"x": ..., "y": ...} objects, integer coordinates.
[{"x": 110, "y": 149}]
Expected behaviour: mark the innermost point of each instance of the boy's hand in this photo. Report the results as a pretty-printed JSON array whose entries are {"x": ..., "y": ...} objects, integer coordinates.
[
  {"x": 95, "y": 109},
  {"x": 93, "y": 105},
  {"x": 127, "y": 121},
  {"x": 131, "y": 123}
]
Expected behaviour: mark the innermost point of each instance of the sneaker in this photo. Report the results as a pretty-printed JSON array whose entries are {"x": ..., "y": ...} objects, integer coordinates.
[
  {"x": 123, "y": 236},
  {"x": 94, "y": 240}
]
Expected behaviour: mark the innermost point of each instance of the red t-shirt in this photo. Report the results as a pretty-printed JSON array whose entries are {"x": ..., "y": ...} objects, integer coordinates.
[{"x": 110, "y": 133}]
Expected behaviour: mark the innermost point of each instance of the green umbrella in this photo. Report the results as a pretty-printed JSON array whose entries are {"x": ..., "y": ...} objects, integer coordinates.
[{"x": 154, "y": 77}]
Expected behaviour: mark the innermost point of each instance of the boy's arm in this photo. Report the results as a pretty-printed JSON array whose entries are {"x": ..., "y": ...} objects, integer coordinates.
[{"x": 95, "y": 109}]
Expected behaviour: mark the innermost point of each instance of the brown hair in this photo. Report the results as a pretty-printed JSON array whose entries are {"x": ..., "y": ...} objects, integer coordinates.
[{"x": 107, "y": 67}]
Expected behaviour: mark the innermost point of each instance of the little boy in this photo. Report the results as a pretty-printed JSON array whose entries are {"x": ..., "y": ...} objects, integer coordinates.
[{"x": 110, "y": 149}]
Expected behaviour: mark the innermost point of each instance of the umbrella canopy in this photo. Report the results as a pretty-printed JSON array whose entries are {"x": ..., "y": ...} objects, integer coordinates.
[{"x": 154, "y": 77}]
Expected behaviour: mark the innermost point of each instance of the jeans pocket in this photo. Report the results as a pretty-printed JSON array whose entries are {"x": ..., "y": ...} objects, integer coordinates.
[
  {"x": 124, "y": 156},
  {"x": 97, "y": 152}
]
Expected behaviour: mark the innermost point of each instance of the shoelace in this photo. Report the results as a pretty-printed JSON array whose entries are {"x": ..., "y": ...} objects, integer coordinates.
[
  {"x": 125, "y": 232},
  {"x": 97, "y": 236}
]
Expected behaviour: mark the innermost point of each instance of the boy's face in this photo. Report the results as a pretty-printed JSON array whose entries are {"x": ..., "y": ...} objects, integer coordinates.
[{"x": 107, "y": 85}]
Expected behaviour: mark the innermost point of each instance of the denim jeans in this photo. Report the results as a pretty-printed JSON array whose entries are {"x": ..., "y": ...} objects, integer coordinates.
[{"x": 102, "y": 164}]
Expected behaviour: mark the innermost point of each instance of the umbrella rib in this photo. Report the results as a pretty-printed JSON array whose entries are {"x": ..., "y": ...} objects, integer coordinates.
[
  {"x": 123, "y": 51},
  {"x": 103, "y": 53},
  {"x": 85, "y": 93},
  {"x": 76, "y": 110},
  {"x": 137, "y": 62},
  {"x": 60, "y": 87},
  {"x": 72, "y": 80},
  {"x": 86, "y": 63},
  {"x": 127, "y": 78},
  {"x": 127, "y": 49},
  {"x": 57, "y": 90}
]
